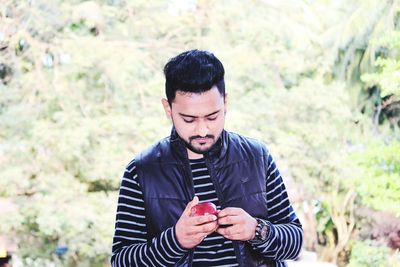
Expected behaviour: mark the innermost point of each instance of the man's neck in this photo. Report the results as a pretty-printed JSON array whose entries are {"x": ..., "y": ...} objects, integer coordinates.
[{"x": 193, "y": 155}]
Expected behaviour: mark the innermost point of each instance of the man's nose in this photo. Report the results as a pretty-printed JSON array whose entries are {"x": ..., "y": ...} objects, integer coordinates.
[{"x": 202, "y": 128}]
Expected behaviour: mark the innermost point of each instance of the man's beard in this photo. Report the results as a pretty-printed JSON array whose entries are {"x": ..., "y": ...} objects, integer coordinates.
[
  {"x": 199, "y": 150},
  {"x": 189, "y": 145}
]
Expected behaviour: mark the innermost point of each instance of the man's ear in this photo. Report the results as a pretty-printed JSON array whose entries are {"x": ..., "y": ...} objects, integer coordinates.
[{"x": 167, "y": 108}]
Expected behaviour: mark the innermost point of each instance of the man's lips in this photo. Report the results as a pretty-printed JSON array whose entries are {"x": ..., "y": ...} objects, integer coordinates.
[{"x": 202, "y": 140}]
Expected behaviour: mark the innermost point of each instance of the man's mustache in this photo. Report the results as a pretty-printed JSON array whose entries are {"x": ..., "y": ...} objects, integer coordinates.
[{"x": 198, "y": 136}]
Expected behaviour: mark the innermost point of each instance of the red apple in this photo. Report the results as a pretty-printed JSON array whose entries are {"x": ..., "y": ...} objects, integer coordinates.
[{"x": 205, "y": 208}]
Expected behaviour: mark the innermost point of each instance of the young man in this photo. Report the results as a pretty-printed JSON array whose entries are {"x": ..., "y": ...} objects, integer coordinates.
[{"x": 201, "y": 162}]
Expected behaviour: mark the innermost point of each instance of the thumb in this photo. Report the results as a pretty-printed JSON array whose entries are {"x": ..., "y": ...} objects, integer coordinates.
[{"x": 190, "y": 205}]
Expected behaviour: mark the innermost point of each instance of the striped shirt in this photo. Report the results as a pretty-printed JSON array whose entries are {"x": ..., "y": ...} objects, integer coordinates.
[
  {"x": 215, "y": 250},
  {"x": 131, "y": 247}
]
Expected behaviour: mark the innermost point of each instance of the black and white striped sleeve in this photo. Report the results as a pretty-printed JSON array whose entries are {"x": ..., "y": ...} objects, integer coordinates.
[
  {"x": 131, "y": 245},
  {"x": 285, "y": 236}
]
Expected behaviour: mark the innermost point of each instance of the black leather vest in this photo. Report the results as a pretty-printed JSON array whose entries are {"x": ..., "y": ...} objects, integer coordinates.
[{"x": 237, "y": 167}]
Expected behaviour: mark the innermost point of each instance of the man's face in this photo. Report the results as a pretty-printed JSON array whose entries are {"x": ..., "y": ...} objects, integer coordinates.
[{"x": 198, "y": 119}]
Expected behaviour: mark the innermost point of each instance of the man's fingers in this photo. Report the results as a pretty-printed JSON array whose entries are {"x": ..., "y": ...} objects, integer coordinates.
[
  {"x": 205, "y": 228},
  {"x": 200, "y": 237},
  {"x": 230, "y": 232},
  {"x": 229, "y": 211},
  {"x": 226, "y": 230},
  {"x": 228, "y": 220},
  {"x": 238, "y": 236},
  {"x": 191, "y": 204},
  {"x": 204, "y": 219},
  {"x": 208, "y": 228}
]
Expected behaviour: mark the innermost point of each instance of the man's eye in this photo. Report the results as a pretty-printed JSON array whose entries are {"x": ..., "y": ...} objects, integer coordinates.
[
  {"x": 188, "y": 121},
  {"x": 212, "y": 119}
]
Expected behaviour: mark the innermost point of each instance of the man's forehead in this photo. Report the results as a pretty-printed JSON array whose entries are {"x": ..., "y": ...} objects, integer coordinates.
[
  {"x": 199, "y": 100},
  {"x": 197, "y": 105}
]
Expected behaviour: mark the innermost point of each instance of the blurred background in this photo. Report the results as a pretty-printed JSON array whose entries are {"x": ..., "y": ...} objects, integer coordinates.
[{"x": 80, "y": 87}]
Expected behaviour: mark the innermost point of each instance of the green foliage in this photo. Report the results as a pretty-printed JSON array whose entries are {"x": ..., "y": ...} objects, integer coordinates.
[
  {"x": 379, "y": 186},
  {"x": 360, "y": 23},
  {"x": 83, "y": 96},
  {"x": 387, "y": 76},
  {"x": 313, "y": 120},
  {"x": 364, "y": 254}
]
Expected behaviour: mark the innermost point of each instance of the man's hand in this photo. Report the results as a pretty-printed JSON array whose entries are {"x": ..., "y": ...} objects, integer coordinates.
[
  {"x": 240, "y": 225},
  {"x": 190, "y": 231}
]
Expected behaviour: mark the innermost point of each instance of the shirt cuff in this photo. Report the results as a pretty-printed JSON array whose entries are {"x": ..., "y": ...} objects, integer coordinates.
[{"x": 175, "y": 243}]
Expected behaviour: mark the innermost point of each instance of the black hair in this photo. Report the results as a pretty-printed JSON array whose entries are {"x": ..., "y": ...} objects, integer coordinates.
[{"x": 193, "y": 71}]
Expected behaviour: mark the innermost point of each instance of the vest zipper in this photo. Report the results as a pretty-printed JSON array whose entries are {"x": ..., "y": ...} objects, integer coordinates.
[
  {"x": 222, "y": 203},
  {"x": 214, "y": 181}
]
